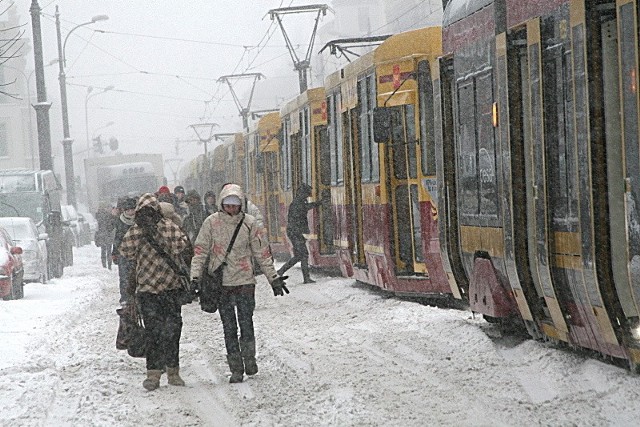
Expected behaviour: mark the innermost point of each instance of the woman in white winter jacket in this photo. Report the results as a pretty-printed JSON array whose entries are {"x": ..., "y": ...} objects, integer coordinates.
[{"x": 237, "y": 301}]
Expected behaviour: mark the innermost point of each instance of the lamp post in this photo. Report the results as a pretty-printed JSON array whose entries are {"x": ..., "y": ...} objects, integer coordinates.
[
  {"x": 67, "y": 141},
  {"x": 88, "y": 96}
]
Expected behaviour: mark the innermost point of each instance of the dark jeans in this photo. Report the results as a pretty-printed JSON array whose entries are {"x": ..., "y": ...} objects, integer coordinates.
[
  {"x": 124, "y": 265},
  {"x": 243, "y": 299},
  {"x": 300, "y": 254},
  {"x": 162, "y": 318}
]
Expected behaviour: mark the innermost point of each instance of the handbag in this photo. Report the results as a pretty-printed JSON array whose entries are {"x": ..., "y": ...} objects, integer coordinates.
[
  {"x": 137, "y": 346},
  {"x": 131, "y": 332},
  {"x": 210, "y": 286}
]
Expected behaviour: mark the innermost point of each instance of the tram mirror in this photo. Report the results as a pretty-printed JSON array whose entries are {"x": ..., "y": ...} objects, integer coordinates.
[{"x": 381, "y": 125}]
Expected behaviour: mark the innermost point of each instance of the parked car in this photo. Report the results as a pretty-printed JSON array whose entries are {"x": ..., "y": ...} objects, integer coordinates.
[
  {"x": 69, "y": 226},
  {"x": 11, "y": 270},
  {"x": 70, "y": 216},
  {"x": 24, "y": 233}
]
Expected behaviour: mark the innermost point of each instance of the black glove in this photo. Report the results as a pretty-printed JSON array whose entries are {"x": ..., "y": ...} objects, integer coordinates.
[{"x": 279, "y": 286}]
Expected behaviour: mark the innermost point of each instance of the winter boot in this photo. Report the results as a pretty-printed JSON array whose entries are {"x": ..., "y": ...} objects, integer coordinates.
[
  {"x": 304, "y": 265},
  {"x": 248, "y": 351},
  {"x": 173, "y": 375},
  {"x": 153, "y": 379},
  {"x": 236, "y": 366}
]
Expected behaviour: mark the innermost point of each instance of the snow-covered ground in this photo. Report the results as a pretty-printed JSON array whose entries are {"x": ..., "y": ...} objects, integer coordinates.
[{"x": 332, "y": 353}]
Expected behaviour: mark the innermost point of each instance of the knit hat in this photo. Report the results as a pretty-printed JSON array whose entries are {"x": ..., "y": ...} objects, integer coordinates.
[
  {"x": 164, "y": 190},
  {"x": 149, "y": 200},
  {"x": 232, "y": 200},
  {"x": 178, "y": 189},
  {"x": 128, "y": 203}
]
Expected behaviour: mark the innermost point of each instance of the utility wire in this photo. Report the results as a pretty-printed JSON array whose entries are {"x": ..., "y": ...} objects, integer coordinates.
[{"x": 178, "y": 39}]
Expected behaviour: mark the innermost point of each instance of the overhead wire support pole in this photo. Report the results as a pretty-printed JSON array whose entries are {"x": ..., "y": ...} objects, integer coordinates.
[
  {"x": 244, "y": 111},
  {"x": 301, "y": 66},
  {"x": 205, "y": 140}
]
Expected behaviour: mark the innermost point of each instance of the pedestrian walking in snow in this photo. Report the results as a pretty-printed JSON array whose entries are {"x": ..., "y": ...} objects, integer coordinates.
[
  {"x": 106, "y": 219},
  {"x": 297, "y": 226},
  {"x": 210, "y": 204},
  {"x": 237, "y": 302},
  {"x": 193, "y": 221},
  {"x": 158, "y": 287},
  {"x": 125, "y": 221}
]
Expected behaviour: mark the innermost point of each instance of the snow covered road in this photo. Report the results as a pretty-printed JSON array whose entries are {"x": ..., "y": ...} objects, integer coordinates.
[{"x": 332, "y": 353}]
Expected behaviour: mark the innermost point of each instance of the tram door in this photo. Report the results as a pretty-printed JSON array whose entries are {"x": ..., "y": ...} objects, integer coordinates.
[
  {"x": 353, "y": 188},
  {"x": 403, "y": 184},
  {"x": 620, "y": 71},
  {"x": 535, "y": 146},
  {"x": 272, "y": 193},
  {"x": 296, "y": 161},
  {"x": 322, "y": 158}
]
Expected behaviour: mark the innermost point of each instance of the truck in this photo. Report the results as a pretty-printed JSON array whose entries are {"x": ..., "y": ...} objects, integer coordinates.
[
  {"x": 36, "y": 194},
  {"x": 111, "y": 178}
]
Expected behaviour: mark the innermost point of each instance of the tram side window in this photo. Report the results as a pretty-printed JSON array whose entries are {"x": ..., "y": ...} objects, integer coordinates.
[
  {"x": 369, "y": 150},
  {"x": 558, "y": 126},
  {"x": 306, "y": 144},
  {"x": 403, "y": 136},
  {"x": 427, "y": 114},
  {"x": 487, "y": 182}
]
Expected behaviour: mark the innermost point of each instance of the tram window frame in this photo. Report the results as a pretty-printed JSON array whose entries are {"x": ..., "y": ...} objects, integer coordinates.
[
  {"x": 403, "y": 135},
  {"x": 334, "y": 124},
  {"x": 286, "y": 154},
  {"x": 427, "y": 119},
  {"x": 305, "y": 145}
]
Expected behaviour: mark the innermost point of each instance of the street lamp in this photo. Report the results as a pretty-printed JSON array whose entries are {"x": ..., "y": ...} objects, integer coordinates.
[
  {"x": 87, "y": 97},
  {"x": 67, "y": 141}
]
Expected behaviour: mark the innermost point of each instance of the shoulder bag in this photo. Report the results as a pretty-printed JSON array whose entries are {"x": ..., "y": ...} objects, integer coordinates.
[{"x": 210, "y": 286}]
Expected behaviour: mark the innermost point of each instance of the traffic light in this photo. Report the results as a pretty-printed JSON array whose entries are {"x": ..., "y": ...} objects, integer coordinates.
[{"x": 113, "y": 143}]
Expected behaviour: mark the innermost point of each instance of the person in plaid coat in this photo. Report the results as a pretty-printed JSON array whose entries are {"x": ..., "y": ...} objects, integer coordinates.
[{"x": 158, "y": 287}]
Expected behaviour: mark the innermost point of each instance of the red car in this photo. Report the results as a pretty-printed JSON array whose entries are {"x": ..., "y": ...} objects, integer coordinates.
[{"x": 11, "y": 270}]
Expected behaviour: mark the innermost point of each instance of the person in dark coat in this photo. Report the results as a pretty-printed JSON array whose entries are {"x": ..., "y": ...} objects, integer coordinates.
[
  {"x": 193, "y": 221},
  {"x": 210, "y": 205},
  {"x": 104, "y": 235},
  {"x": 297, "y": 225},
  {"x": 182, "y": 209},
  {"x": 125, "y": 220}
]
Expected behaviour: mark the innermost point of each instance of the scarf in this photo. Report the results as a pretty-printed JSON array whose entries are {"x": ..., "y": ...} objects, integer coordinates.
[{"x": 127, "y": 219}]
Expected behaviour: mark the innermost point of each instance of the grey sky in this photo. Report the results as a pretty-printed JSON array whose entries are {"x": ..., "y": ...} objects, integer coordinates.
[{"x": 163, "y": 58}]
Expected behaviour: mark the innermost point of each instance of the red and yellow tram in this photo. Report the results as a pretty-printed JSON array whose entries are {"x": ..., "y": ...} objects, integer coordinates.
[
  {"x": 384, "y": 187},
  {"x": 542, "y": 165},
  {"x": 305, "y": 159}
]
